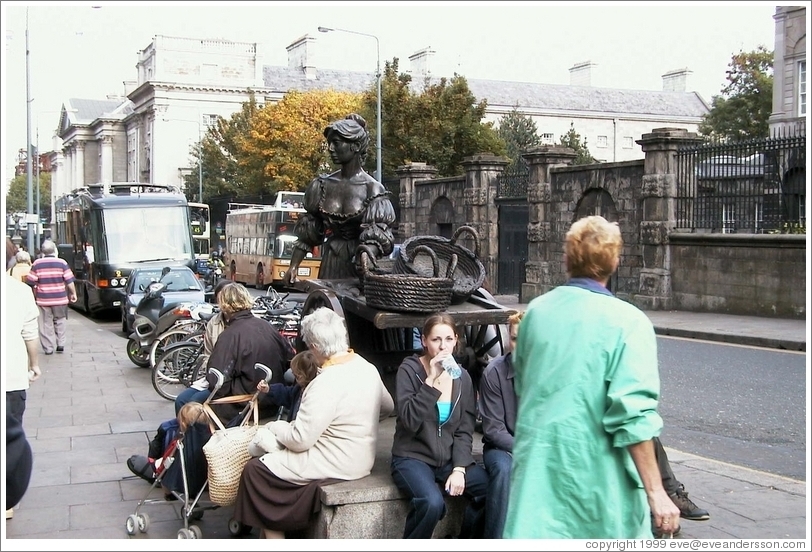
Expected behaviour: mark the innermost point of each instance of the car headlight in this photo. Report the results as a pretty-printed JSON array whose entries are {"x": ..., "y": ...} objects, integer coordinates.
[
  {"x": 114, "y": 282},
  {"x": 123, "y": 282}
]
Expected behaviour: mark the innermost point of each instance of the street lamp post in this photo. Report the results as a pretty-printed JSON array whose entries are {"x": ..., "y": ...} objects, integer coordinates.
[
  {"x": 29, "y": 180},
  {"x": 378, "y": 171}
]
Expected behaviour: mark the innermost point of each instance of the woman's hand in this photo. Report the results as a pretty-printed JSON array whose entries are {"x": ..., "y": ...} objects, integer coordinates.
[
  {"x": 263, "y": 386},
  {"x": 455, "y": 484}
]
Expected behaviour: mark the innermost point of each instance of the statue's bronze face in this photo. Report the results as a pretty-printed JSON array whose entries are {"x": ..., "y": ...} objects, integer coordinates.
[{"x": 341, "y": 151}]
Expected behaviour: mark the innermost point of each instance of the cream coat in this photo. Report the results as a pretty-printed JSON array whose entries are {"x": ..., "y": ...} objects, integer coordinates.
[{"x": 335, "y": 432}]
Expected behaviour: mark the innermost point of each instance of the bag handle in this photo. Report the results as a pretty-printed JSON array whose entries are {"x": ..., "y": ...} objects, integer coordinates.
[{"x": 228, "y": 400}]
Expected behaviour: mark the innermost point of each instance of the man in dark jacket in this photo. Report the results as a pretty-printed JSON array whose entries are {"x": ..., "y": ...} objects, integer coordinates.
[{"x": 247, "y": 340}]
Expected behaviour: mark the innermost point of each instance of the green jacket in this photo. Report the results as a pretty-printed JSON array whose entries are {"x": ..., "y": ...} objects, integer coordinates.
[{"x": 588, "y": 387}]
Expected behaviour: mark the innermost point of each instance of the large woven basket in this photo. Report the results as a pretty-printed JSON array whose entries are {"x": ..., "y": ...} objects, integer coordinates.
[
  {"x": 469, "y": 274},
  {"x": 407, "y": 292}
]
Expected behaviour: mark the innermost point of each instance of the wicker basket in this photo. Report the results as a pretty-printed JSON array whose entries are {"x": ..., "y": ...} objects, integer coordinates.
[
  {"x": 470, "y": 272},
  {"x": 406, "y": 292}
]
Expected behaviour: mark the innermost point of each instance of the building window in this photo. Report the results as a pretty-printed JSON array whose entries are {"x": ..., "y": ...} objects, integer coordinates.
[
  {"x": 728, "y": 219},
  {"x": 802, "y": 88},
  {"x": 209, "y": 120},
  {"x": 603, "y": 141},
  {"x": 132, "y": 156},
  {"x": 548, "y": 138},
  {"x": 628, "y": 142}
]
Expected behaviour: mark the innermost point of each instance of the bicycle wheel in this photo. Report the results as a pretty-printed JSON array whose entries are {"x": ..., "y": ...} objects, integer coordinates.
[
  {"x": 173, "y": 335},
  {"x": 177, "y": 368}
]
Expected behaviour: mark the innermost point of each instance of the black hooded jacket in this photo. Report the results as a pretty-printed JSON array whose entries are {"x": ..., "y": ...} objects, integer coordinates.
[{"x": 418, "y": 433}]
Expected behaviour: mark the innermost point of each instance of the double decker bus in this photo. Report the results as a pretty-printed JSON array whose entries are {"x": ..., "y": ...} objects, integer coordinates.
[
  {"x": 104, "y": 231},
  {"x": 260, "y": 238},
  {"x": 200, "y": 220}
]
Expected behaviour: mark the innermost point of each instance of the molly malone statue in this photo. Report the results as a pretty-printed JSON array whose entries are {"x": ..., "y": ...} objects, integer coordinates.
[{"x": 343, "y": 209}]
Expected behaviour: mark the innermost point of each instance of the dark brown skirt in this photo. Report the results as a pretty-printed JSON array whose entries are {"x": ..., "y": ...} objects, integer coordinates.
[{"x": 267, "y": 502}]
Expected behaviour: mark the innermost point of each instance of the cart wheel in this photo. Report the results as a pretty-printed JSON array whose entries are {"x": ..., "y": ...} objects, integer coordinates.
[
  {"x": 196, "y": 515},
  {"x": 483, "y": 342},
  {"x": 316, "y": 299},
  {"x": 185, "y": 534},
  {"x": 132, "y": 522},
  {"x": 237, "y": 529},
  {"x": 196, "y": 532},
  {"x": 143, "y": 523}
]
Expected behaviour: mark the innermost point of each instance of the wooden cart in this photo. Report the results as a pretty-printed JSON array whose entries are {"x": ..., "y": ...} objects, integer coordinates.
[{"x": 385, "y": 338}]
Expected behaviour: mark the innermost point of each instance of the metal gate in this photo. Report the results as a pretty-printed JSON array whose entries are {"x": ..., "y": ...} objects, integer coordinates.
[{"x": 513, "y": 219}]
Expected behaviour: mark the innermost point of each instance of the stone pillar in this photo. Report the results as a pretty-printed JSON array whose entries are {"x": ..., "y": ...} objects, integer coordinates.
[
  {"x": 106, "y": 173},
  {"x": 67, "y": 175},
  {"x": 408, "y": 175},
  {"x": 79, "y": 163},
  {"x": 481, "y": 211},
  {"x": 658, "y": 217},
  {"x": 537, "y": 270}
]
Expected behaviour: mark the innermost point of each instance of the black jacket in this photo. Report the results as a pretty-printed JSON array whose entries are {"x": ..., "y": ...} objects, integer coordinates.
[
  {"x": 246, "y": 341},
  {"x": 418, "y": 433}
]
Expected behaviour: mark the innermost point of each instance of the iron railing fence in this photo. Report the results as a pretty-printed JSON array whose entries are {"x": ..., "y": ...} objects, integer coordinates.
[
  {"x": 754, "y": 186},
  {"x": 513, "y": 182}
]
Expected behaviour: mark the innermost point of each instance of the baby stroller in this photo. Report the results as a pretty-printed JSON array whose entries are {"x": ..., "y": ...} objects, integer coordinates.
[{"x": 185, "y": 447}]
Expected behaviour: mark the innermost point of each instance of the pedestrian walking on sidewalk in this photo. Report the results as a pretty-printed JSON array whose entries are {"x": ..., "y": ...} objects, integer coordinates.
[
  {"x": 20, "y": 369},
  {"x": 676, "y": 491},
  {"x": 588, "y": 386},
  {"x": 52, "y": 280}
]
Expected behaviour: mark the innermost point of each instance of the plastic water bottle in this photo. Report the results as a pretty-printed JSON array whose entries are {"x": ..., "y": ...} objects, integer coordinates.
[{"x": 450, "y": 365}]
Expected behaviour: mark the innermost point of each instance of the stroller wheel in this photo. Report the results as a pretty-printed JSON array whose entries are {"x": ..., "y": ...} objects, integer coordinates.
[
  {"x": 132, "y": 522},
  {"x": 196, "y": 515},
  {"x": 196, "y": 532},
  {"x": 185, "y": 534},
  {"x": 237, "y": 528},
  {"x": 143, "y": 523}
]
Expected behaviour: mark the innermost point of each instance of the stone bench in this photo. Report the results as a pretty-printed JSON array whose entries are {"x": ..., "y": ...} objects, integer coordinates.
[{"x": 372, "y": 507}]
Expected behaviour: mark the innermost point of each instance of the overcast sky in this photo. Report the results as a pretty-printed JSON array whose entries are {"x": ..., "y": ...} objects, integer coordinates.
[{"x": 77, "y": 50}]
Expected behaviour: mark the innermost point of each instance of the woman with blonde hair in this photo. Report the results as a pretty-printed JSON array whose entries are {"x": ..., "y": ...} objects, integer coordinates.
[
  {"x": 587, "y": 381},
  {"x": 23, "y": 266}
]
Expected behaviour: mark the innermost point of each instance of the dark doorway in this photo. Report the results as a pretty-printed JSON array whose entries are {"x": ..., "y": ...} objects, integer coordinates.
[
  {"x": 442, "y": 217},
  {"x": 513, "y": 219}
]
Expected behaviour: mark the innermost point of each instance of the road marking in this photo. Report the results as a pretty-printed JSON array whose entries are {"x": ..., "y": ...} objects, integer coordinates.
[{"x": 760, "y": 348}]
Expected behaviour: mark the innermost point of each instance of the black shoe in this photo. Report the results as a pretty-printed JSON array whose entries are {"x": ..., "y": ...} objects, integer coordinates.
[
  {"x": 60, "y": 349},
  {"x": 142, "y": 467},
  {"x": 686, "y": 506}
]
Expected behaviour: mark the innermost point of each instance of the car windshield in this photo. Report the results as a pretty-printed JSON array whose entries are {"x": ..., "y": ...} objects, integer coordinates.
[{"x": 176, "y": 280}]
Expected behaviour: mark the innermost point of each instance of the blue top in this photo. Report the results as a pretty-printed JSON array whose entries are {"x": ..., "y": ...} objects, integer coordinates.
[{"x": 444, "y": 409}]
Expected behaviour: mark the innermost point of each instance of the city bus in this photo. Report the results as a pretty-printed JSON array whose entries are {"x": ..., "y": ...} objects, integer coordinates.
[
  {"x": 259, "y": 241},
  {"x": 104, "y": 231},
  {"x": 200, "y": 219}
]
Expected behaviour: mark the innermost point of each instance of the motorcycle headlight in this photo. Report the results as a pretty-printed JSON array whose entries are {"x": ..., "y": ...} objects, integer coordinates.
[{"x": 132, "y": 310}]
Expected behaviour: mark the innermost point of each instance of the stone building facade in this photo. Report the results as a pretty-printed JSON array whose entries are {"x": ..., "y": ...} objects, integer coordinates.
[{"x": 789, "y": 63}]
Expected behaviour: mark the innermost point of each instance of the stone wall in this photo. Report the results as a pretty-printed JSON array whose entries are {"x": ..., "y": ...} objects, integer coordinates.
[{"x": 747, "y": 274}]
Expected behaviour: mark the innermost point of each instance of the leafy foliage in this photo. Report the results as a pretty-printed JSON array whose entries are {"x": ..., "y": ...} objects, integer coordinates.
[
  {"x": 439, "y": 125},
  {"x": 572, "y": 140},
  {"x": 285, "y": 140},
  {"x": 17, "y": 195},
  {"x": 519, "y": 132},
  {"x": 742, "y": 111}
]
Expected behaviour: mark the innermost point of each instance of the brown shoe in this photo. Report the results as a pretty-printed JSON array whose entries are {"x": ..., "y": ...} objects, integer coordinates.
[{"x": 686, "y": 506}]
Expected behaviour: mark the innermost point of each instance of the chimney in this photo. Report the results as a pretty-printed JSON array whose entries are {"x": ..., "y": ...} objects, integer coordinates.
[
  {"x": 581, "y": 73},
  {"x": 302, "y": 54},
  {"x": 420, "y": 64},
  {"x": 676, "y": 80}
]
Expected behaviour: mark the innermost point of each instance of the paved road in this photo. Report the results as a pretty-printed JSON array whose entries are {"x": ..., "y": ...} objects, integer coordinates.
[{"x": 743, "y": 405}]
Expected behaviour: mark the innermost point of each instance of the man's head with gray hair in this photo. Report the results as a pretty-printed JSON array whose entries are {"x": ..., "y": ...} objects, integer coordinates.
[{"x": 48, "y": 248}]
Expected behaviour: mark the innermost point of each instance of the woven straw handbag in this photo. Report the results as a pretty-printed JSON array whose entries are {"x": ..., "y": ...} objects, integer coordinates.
[{"x": 227, "y": 451}]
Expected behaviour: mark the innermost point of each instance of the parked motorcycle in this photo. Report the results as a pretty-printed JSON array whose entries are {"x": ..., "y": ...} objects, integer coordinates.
[{"x": 152, "y": 319}]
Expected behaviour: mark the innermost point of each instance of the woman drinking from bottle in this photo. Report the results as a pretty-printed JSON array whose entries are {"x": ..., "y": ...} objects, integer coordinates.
[{"x": 434, "y": 435}]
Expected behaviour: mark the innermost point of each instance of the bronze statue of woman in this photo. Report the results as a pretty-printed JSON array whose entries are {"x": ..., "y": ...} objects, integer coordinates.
[{"x": 343, "y": 209}]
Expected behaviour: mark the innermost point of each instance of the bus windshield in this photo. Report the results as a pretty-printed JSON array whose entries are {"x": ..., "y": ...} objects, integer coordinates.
[{"x": 147, "y": 234}]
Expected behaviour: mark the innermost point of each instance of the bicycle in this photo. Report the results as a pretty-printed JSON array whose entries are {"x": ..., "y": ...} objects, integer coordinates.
[
  {"x": 188, "y": 329},
  {"x": 180, "y": 365}
]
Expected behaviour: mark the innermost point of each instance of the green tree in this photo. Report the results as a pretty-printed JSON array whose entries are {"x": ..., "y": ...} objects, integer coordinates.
[
  {"x": 17, "y": 195},
  {"x": 742, "y": 111},
  {"x": 572, "y": 140},
  {"x": 439, "y": 125},
  {"x": 519, "y": 132}
]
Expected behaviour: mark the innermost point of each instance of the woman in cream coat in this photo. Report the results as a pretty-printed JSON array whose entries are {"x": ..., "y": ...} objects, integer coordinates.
[{"x": 332, "y": 438}]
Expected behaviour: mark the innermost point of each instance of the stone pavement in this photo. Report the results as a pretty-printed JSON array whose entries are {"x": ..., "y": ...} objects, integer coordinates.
[{"x": 93, "y": 408}]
